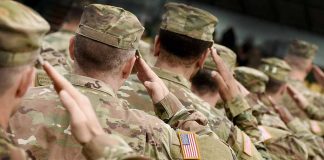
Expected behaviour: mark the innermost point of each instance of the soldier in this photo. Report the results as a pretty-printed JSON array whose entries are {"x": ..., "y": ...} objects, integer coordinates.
[
  {"x": 103, "y": 61},
  {"x": 301, "y": 52},
  {"x": 21, "y": 33},
  {"x": 278, "y": 71},
  {"x": 280, "y": 140},
  {"x": 181, "y": 48}
]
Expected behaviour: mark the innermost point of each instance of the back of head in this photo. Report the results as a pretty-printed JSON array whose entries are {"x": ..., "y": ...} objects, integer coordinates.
[
  {"x": 300, "y": 55},
  {"x": 186, "y": 32},
  {"x": 21, "y": 33},
  {"x": 107, "y": 37},
  {"x": 253, "y": 80}
]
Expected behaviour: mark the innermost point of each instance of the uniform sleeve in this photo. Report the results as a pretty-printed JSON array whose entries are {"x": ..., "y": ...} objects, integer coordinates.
[
  {"x": 109, "y": 147},
  {"x": 314, "y": 143},
  {"x": 177, "y": 116},
  {"x": 314, "y": 112},
  {"x": 9, "y": 151}
]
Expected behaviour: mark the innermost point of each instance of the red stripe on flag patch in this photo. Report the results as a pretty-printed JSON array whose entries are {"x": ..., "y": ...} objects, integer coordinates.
[{"x": 189, "y": 145}]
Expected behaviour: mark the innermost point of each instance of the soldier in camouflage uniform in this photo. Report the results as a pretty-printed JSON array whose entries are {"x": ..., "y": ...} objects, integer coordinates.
[
  {"x": 278, "y": 71},
  {"x": 189, "y": 27},
  {"x": 21, "y": 33},
  {"x": 42, "y": 124},
  {"x": 279, "y": 134}
]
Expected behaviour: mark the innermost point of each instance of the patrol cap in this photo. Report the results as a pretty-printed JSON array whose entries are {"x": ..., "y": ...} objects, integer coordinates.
[
  {"x": 189, "y": 21},
  {"x": 275, "y": 68},
  {"x": 228, "y": 56},
  {"x": 302, "y": 49},
  {"x": 111, "y": 25},
  {"x": 21, "y": 33},
  {"x": 252, "y": 79}
]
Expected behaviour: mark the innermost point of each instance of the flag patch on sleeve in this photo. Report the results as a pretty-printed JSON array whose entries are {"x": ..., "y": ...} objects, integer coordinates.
[{"x": 189, "y": 145}]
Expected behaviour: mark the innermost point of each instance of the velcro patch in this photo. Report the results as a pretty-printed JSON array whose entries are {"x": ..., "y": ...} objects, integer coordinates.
[
  {"x": 247, "y": 145},
  {"x": 189, "y": 145}
]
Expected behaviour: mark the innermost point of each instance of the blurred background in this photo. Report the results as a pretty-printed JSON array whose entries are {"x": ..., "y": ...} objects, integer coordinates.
[{"x": 252, "y": 28}]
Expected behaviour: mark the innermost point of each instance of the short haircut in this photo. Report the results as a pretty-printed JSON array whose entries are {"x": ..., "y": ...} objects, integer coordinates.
[
  {"x": 181, "y": 48},
  {"x": 94, "y": 56},
  {"x": 8, "y": 75},
  {"x": 273, "y": 85},
  {"x": 203, "y": 82}
]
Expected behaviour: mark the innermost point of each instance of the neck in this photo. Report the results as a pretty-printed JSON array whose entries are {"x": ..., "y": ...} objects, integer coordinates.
[
  {"x": 297, "y": 75},
  {"x": 177, "y": 69},
  {"x": 112, "y": 80}
]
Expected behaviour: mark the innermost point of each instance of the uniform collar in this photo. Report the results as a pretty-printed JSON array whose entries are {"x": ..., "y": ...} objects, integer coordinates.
[
  {"x": 172, "y": 77},
  {"x": 89, "y": 83}
]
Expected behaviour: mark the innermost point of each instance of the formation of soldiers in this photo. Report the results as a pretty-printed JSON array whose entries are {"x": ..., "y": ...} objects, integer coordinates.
[{"x": 102, "y": 93}]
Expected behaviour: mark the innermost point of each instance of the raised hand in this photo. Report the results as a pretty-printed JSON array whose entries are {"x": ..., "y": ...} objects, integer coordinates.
[
  {"x": 319, "y": 75},
  {"x": 284, "y": 114},
  {"x": 84, "y": 123},
  {"x": 227, "y": 84},
  {"x": 153, "y": 84},
  {"x": 298, "y": 97}
]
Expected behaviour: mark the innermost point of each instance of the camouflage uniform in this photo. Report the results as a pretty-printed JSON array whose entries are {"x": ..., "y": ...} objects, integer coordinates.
[
  {"x": 278, "y": 70},
  {"x": 314, "y": 112},
  {"x": 42, "y": 127},
  {"x": 134, "y": 92}
]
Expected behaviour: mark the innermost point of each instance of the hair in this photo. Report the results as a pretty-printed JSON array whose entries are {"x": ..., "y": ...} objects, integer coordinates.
[
  {"x": 8, "y": 76},
  {"x": 94, "y": 56},
  {"x": 180, "y": 48},
  {"x": 273, "y": 85},
  {"x": 203, "y": 82},
  {"x": 298, "y": 63}
]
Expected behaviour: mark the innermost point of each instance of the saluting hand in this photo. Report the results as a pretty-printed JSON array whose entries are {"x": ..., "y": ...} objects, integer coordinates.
[
  {"x": 153, "y": 84},
  {"x": 84, "y": 123},
  {"x": 227, "y": 84},
  {"x": 319, "y": 75},
  {"x": 298, "y": 97}
]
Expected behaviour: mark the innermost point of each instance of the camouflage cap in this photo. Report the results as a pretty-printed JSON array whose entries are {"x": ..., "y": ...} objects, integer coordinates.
[
  {"x": 254, "y": 80},
  {"x": 302, "y": 49},
  {"x": 226, "y": 54},
  {"x": 111, "y": 25},
  {"x": 275, "y": 68},
  {"x": 21, "y": 33},
  {"x": 189, "y": 21}
]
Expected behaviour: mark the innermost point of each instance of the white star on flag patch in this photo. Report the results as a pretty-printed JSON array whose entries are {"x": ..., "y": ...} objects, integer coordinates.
[{"x": 189, "y": 145}]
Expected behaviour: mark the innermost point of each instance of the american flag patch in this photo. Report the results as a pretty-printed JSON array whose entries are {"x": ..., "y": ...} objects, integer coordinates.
[{"x": 189, "y": 145}]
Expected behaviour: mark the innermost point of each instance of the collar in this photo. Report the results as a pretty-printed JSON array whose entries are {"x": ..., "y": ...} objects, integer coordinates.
[
  {"x": 89, "y": 83},
  {"x": 169, "y": 76}
]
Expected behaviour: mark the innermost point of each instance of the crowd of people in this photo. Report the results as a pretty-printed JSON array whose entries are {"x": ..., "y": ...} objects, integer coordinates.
[{"x": 94, "y": 90}]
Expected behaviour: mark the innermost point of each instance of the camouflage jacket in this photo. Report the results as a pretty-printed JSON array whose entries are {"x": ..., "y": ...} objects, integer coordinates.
[
  {"x": 41, "y": 125},
  {"x": 137, "y": 97},
  {"x": 8, "y": 150},
  {"x": 296, "y": 128}
]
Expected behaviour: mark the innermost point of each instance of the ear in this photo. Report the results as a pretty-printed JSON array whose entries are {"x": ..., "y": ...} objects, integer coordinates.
[
  {"x": 128, "y": 67},
  {"x": 157, "y": 46},
  {"x": 202, "y": 59},
  {"x": 71, "y": 47},
  {"x": 26, "y": 80}
]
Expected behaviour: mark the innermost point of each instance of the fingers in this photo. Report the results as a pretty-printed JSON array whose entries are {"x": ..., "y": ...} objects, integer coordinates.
[
  {"x": 145, "y": 73},
  {"x": 70, "y": 105},
  {"x": 223, "y": 70},
  {"x": 60, "y": 82},
  {"x": 221, "y": 83}
]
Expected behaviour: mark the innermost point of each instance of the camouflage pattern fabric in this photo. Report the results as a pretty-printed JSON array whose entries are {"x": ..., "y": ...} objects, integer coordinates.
[
  {"x": 227, "y": 55},
  {"x": 8, "y": 150},
  {"x": 21, "y": 33},
  {"x": 303, "y": 49},
  {"x": 48, "y": 135},
  {"x": 189, "y": 21},
  {"x": 137, "y": 97},
  {"x": 275, "y": 68}
]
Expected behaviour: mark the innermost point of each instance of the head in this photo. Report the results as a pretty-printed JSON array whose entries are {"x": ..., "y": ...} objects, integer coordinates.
[
  {"x": 105, "y": 43},
  {"x": 204, "y": 86},
  {"x": 278, "y": 71},
  {"x": 300, "y": 57},
  {"x": 253, "y": 80},
  {"x": 185, "y": 35},
  {"x": 21, "y": 33}
]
